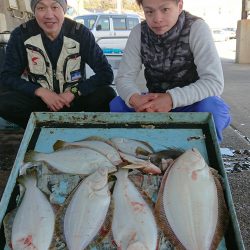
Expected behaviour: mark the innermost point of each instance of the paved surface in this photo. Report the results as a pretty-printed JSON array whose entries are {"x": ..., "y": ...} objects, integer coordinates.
[{"x": 236, "y": 137}]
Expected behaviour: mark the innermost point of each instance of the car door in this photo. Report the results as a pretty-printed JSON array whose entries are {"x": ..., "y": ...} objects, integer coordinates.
[
  {"x": 121, "y": 32},
  {"x": 103, "y": 27}
]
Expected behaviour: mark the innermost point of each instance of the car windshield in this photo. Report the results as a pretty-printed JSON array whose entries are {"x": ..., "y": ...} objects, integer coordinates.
[{"x": 87, "y": 21}]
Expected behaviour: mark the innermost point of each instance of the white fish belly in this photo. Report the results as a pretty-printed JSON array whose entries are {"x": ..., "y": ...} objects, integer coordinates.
[
  {"x": 33, "y": 225},
  {"x": 76, "y": 161},
  {"x": 107, "y": 150},
  {"x": 129, "y": 146},
  {"x": 133, "y": 221},
  {"x": 85, "y": 216},
  {"x": 191, "y": 205}
]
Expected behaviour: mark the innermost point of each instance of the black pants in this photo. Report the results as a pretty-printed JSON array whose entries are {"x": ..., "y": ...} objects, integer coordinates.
[{"x": 16, "y": 107}]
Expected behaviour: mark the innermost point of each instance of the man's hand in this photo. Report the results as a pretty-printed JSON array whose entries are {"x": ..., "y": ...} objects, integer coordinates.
[
  {"x": 54, "y": 101},
  {"x": 137, "y": 100},
  {"x": 161, "y": 103},
  {"x": 68, "y": 97}
]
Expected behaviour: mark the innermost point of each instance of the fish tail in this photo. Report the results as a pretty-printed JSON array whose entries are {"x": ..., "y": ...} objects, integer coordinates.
[
  {"x": 30, "y": 156},
  {"x": 152, "y": 170},
  {"x": 122, "y": 173},
  {"x": 29, "y": 178},
  {"x": 58, "y": 145}
]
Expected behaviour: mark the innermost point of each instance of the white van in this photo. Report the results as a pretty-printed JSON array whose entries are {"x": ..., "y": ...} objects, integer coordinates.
[{"x": 110, "y": 30}]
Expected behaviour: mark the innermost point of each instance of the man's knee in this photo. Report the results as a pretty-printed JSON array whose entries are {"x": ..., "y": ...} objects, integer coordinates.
[{"x": 118, "y": 105}]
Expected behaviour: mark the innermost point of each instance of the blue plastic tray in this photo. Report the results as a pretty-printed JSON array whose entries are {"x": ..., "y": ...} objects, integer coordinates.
[{"x": 180, "y": 130}]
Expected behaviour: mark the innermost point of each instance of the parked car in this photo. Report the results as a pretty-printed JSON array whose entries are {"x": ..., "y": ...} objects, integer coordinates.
[
  {"x": 110, "y": 30},
  {"x": 231, "y": 32},
  {"x": 219, "y": 35}
]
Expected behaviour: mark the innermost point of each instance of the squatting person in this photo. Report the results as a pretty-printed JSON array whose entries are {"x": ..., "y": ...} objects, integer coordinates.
[
  {"x": 183, "y": 70},
  {"x": 44, "y": 67}
]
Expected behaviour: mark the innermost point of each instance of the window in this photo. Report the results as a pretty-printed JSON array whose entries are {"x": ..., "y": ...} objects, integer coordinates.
[
  {"x": 132, "y": 22},
  {"x": 103, "y": 23},
  {"x": 87, "y": 21},
  {"x": 119, "y": 23}
]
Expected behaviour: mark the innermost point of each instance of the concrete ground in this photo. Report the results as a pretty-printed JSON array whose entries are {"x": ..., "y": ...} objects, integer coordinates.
[{"x": 237, "y": 136}]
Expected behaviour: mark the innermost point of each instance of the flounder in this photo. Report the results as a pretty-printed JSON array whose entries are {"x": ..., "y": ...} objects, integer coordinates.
[
  {"x": 100, "y": 146},
  {"x": 190, "y": 208},
  {"x": 87, "y": 210},
  {"x": 133, "y": 225},
  {"x": 34, "y": 222},
  {"x": 145, "y": 165},
  {"x": 82, "y": 161},
  {"x": 137, "y": 148}
]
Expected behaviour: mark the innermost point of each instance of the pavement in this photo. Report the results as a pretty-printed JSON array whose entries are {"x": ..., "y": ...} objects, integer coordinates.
[{"x": 237, "y": 135}]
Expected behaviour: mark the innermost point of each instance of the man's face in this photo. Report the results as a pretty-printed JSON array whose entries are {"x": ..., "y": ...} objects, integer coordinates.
[
  {"x": 50, "y": 16},
  {"x": 161, "y": 15}
]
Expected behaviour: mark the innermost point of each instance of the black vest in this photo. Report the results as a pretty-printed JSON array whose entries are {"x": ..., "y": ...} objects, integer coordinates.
[{"x": 168, "y": 60}]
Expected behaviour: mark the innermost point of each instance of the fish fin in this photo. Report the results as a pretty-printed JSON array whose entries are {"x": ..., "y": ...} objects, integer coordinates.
[
  {"x": 133, "y": 166},
  {"x": 168, "y": 153},
  {"x": 69, "y": 147},
  {"x": 51, "y": 169},
  {"x": 223, "y": 213},
  {"x": 166, "y": 163},
  {"x": 30, "y": 156},
  {"x": 146, "y": 144},
  {"x": 161, "y": 218},
  {"x": 59, "y": 238},
  {"x": 104, "y": 230},
  {"x": 30, "y": 176},
  {"x": 59, "y": 144},
  {"x": 96, "y": 138},
  {"x": 142, "y": 152},
  {"x": 8, "y": 223}
]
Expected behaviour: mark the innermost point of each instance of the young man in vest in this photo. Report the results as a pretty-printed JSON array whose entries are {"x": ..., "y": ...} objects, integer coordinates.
[
  {"x": 182, "y": 68},
  {"x": 44, "y": 67}
]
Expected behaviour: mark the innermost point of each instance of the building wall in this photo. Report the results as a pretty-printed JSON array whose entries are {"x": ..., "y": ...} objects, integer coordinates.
[
  {"x": 243, "y": 42},
  {"x": 217, "y": 13}
]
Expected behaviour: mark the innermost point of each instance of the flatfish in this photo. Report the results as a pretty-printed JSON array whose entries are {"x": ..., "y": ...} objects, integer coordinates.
[
  {"x": 83, "y": 161},
  {"x": 34, "y": 222},
  {"x": 87, "y": 210},
  {"x": 100, "y": 146},
  {"x": 165, "y": 157},
  {"x": 190, "y": 208},
  {"x": 145, "y": 165},
  {"x": 133, "y": 225},
  {"x": 137, "y": 148}
]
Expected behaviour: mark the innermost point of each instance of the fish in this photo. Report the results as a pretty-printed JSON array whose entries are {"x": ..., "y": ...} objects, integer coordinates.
[
  {"x": 145, "y": 165},
  {"x": 82, "y": 161},
  {"x": 133, "y": 225},
  {"x": 34, "y": 222},
  {"x": 87, "y": 210},
  {"x": 132, "y": 147},
  {"x": 102, "y": 147},
  {"x": 165, "y": 157},
  {"x": 190, "y": 208}
]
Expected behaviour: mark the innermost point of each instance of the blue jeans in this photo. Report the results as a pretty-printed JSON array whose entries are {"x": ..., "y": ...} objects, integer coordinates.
[{"x": 214, "y": 105}]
